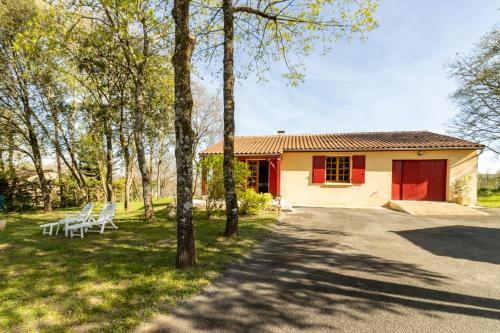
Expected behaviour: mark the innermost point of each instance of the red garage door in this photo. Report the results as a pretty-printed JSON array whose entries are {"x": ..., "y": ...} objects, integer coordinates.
[{"x": 419, "y": 180}]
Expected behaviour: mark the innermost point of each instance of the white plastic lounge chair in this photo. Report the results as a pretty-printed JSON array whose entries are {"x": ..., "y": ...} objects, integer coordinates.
[
  {"x": 83, "y": 216},
  {"x": 105, "y": 217}
]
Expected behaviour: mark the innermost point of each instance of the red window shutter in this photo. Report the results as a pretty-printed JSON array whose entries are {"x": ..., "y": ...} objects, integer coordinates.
[
  {"x": 358, "y": 169},
  {"x": 318, "y": 175}
]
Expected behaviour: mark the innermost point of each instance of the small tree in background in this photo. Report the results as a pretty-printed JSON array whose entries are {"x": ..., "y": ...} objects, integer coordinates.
[{"x": 213, "y": 167}]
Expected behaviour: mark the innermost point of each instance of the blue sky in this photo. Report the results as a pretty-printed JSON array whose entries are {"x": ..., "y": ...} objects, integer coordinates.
[{"x": 395, "y": 80}]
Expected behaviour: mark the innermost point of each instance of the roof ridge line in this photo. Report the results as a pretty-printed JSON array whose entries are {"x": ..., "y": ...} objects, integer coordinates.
[{"x": 333, "y": 133}]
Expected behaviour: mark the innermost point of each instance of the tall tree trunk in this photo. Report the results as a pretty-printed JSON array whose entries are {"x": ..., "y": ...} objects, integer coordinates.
[
  {"x": 151, "y": 167},
  {"x": 99, "y": 154},
  {"x": 159, "y": 162},
  {"x": 137, "y": 192},
  {"x": 229, "y": 182},
  {"x": 37, "y": 161},
  {"x": 129, "y": 171},
  {"x": 196, "y": 167},
  {"x": 72, "y": 167},
  {"x": 124, "y": 144},
  {"x": 71, "y": 143},
  {"x": 139, "y": 146},
  {"x": 158, "y": 165},
  {"x": 2, "y": 164},
  {"x": 62, "y": 188},
  {"x": 12, "y": 171},
  {"x": 12, "y": 200},
  {"x": 181, "y": 61},
  {"x": 108, "y": 133}
]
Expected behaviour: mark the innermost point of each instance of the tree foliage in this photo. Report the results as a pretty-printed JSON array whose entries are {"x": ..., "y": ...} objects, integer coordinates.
[
  {"x": 74, "y": 76},
  {"x": 262, "y": 32},
  {"x": 280, "y": 32},
  {"x": 478, "y": 94}
]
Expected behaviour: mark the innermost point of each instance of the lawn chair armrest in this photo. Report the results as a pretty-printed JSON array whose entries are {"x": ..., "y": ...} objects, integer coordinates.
[{"x": 48, "y": 224}]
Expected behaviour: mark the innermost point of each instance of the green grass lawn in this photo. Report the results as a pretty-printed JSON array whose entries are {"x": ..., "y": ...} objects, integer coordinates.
[
  {"x": 490, "y": 200},
  {"x": 109, "y": 282}
]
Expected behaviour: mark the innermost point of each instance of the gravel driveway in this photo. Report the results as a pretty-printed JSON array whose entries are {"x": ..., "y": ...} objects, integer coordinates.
[{"x": 356, "y": 270}]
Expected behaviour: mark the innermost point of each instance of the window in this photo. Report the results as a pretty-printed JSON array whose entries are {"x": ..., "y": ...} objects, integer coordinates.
[{"x": 338, "y": 169}]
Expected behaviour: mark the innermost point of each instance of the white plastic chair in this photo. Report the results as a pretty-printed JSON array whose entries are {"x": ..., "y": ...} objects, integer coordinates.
[
  {"x": 82, "y": 217},
  {"x": 104, "y": 221}
]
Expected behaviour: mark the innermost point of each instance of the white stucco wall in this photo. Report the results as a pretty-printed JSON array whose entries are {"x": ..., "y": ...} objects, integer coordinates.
[{"x": 298, "y": 189}]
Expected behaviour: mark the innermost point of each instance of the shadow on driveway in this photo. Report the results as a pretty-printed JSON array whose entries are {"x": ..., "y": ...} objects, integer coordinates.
[
  {"x": 299, "y": 279},
  {"x": 458, "y": 241}
]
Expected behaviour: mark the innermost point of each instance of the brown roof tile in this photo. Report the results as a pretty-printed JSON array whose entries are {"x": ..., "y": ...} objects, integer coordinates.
[{"x": 277, "y": 144}]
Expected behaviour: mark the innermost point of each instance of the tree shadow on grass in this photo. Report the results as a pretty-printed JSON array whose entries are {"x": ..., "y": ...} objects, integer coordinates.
[
  {"x": 104, "y": 282},
  {"x": 458, "y": 241},
  {"x": 291, "y": 279}
]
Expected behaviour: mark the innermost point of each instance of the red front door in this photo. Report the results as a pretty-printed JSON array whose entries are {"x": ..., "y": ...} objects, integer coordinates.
[{"x": 419, "y": 180}]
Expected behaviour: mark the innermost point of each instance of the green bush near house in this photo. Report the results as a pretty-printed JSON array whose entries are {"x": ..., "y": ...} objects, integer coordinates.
[
  {"x": 212, "y": 167},
  {"x": 252, "y": 203}
]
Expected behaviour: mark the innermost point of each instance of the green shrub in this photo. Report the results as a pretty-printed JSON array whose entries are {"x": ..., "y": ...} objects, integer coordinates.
[
  {"x": 487, "y": 192},
  {"x": 252, "y": 203},
  {"x": 213, "y": 168},
  {"x": 484, "y": 192}
]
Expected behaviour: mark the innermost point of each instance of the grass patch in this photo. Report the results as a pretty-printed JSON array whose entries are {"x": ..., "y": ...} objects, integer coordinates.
[
  {"x": 489, "y": 199},
  {"x": 108, "y": 282}
]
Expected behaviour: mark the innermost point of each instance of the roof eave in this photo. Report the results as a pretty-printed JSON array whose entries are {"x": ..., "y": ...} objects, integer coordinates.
[
  {"x": 381, "y": 149},
  {"x": 244, "y": 154}
]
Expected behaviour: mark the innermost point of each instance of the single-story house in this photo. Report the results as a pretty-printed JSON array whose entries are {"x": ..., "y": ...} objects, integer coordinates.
[
  {"x": 356, "y": 169},
  {"x": 31, "y": 175}
]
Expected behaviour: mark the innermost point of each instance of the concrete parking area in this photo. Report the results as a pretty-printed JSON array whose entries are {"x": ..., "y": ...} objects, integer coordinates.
[{"x": 356, "y": 270}]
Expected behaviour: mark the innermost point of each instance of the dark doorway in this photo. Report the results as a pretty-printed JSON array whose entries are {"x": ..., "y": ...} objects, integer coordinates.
[{"x": 263, "y": 176}]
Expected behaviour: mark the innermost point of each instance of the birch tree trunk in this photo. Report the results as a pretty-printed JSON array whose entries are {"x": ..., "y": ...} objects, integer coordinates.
[
  {"x": 181, "y": 61},
  {"x": 229, "y": 183}
]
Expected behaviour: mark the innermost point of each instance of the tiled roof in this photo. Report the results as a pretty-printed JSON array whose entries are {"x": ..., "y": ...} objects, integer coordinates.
[{"x": 277, "y": 144}]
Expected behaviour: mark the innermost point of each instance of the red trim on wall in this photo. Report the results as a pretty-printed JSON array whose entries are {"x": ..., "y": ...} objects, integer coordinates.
[
  {"x": 278, "y": 177},
  {"x": 273, "y": 177},
  {"x": 397, "y": 176},
  {"x": 358, "y": 169},
  {"x": 256, "y": 157},
  {"x": 318, "y": 170},
  {"x": 274, "y": 171}
]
